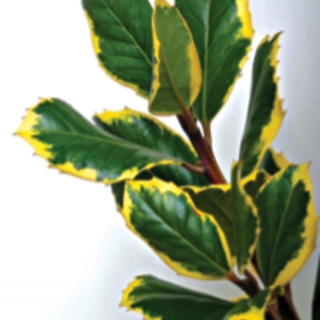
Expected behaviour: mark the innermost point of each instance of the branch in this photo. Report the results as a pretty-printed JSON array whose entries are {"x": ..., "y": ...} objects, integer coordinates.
[
  {"x": 207, "y": 133},
  {"x": 287, "y": 308},
  {"x": 193, "y": 168},
  {"x": 245, "y": 284},
  {"x": 204, "y": 151}
]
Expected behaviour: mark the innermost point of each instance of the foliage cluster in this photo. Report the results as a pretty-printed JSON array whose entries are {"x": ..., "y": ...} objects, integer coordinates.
[{"x": 259, "y": 229}]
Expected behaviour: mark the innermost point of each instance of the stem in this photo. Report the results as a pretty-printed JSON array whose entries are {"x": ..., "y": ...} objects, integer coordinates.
[
  {"x": 287, "y": 290},
  {"x": 193, "y": 168},
  {"x": 283, "y": 308},
  {"x": 255, "y": 264},
  {"x": 272, "y": 312},
  {"x": 251, "y": 287},
  {"x": 207, "y": 133},
  {"x": 287, "y": 308},
  {"x": 252, "y": 279},
  {"x": 245, "y": 284},
  {"x": 212, "y": 170}
]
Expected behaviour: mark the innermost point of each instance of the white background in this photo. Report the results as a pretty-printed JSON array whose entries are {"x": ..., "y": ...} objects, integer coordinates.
[{"x": 65, "y": 253}]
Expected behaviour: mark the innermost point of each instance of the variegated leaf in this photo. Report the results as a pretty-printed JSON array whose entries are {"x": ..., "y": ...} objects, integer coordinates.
[
  {"x": 217, "y": 200},
  {"x": 288, "y": 225},
  {"x": 252, "y": 309},
  {"x": 148, "y": 132},
  {"x": 188, "y": 240},
  {"x": 177, "y": 71},
  {"x": 274, "y": 161},
  {"x": 72, "y": 144},
  {"x": 265, "y": 112},
  {"x": 222, "y": 32},
  {"x": 122, "y": 39},
  {"x": 246, "y": 222},
  {"x": 158, "y": 299}
]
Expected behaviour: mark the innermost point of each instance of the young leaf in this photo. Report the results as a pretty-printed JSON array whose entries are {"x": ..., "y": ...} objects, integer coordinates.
[
  {"x": 246, "y": 222},
  {"x": 253, "y": 309},
  {"x": 274, "y": 161},
  {"x": 150, "y": 133},
  {"x": 265, "y": 112},
  {"x": 288, "y": 225},
  {"x": 222, "y": 32},
  {"x": 217, "y": 200},
  {"x": 122, "y": 39},
  {"x": 72, "y": 144},
  {"x": 188, "y": 240},
  {"x": 177, "y": 70},
  {"x": 316, "y": 297},
  {"x": 158, "y": 299}
]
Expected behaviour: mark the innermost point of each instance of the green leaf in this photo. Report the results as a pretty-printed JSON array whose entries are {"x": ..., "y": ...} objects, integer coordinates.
[
  {"x": 72, "y": 144},
  {"x": 265, "y": 113},
  {"x": 255, "y": 182},
  {"x": 217, "y": 200},
  {"x": 246, "y": 222},
  {"x": 316, "y": 297},
  {"x": 253, "y": 309},
  {"x": 188, "y": 240},
  {"x": 177, "y": 71},
  {"x": 158, "y": 299},
  {"x": 274, "y": 161},
  {"x": 122, "y": 39},
  {"x": 118, "y": 188},
  {"x": 150, "y": 133},
  {"x": 222, "y": 32},
  {"x": 288, "y": 225}
]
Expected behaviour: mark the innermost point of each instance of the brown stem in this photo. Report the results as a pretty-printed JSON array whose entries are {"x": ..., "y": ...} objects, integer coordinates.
[
  {"x": 193, "y": 168},
  {"x": 212, "y": 170},
  {"x": 249, "y": 288},
  {"x": 287, "y": 308},
  {"x": 252, "y": 279},
  {"x": 272, "y": 312},
  {"x": 207, "y": 133},
  {"x": 255, "y": 264},
  {"x": 287, "y": 290}
]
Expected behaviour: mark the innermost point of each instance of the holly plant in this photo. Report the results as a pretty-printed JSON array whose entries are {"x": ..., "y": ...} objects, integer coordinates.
[{"x": 256, "y": 229}]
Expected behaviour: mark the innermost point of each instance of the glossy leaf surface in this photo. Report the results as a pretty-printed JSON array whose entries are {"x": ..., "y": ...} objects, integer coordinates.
[
  {"x": 246, "y": 222},
  {"x": 122, "y": 39},
  {"x": 118, "y": 188},
  {"x": 316, "y": 297},
  {"x": 288, "y": 225},
  {"x": 188, "y": 240},
  {"x": 72, "y": 144},
  {"x": 158, "y": 299},
  {"x": 222, "y": 32},
  {"x": 217, "y": 200},
  {"x": 265, "y": 112},
  {"x": 177, "y": 71},
  {"x": 252, "y": 309},
  {"x": 150, "y": 133}
]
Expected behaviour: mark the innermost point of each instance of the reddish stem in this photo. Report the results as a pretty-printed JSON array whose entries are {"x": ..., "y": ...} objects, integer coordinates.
[{"x": 212, "y": 170}]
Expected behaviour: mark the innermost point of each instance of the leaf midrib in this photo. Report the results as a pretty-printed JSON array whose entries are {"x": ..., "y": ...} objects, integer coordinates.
[
  {"x": 279, "y": 234},
  {"x": 184, "y": 239},
  {"x": 130, "y": 35},
  {"x": 206, "y": 56},
  {"x": 106, "y": 140}
]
